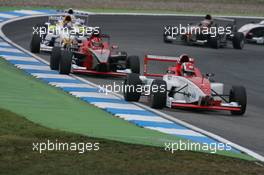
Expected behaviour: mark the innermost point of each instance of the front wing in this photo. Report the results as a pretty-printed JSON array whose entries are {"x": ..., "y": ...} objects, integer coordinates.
[
  {"x": 195, "y": 106},
  {"x": 93, "y": 72},
  {"x": 217, "y": 105}
]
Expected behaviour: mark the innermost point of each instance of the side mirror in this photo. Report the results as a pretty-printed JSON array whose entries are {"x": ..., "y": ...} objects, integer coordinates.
[
  {"x": 210, "y": 75},
  {"x": 115, "y": 47}
]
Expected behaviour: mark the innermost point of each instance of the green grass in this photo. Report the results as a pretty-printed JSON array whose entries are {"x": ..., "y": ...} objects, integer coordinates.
[
  {"x": 180, "y": 11},
  {"x": 53, "y": 108},
  {"x": 17, "y": 156}
]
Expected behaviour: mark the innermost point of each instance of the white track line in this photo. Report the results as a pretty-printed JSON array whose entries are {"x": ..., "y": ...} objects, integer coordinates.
[
  {"x": 4, "y": 44},
  {"x": 72, "y": 85},
  {"x": 93, "y": 94},
  {"x": 116, "y": 105},
  {"x": 29, "y": 12},
  {"x": 18, "y": 58},
  {"x": 2, "y": 49},
  {"x": 7, "y": 15},
  {"x": 186, "y": 132},
  {"x": 32, "y": 67},
  {"x": 41, "y": 75},
  {"x": 143, "y": 118},
  {"x": 214, "y": 136}
]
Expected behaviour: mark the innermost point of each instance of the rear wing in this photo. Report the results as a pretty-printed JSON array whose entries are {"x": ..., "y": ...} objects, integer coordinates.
[
  {"x": 224, "y": 19},
  {"x": 160, "y": 59},
  {"x": 230, "y": 22},
  {"x": 79, "y": 14}
]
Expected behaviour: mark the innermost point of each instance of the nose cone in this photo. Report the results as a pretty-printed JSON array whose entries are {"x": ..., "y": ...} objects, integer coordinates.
[{"x": 203, "y": 84}]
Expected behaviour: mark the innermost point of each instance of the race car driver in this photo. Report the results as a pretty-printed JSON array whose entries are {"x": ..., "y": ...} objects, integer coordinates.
[
  {"x": 188, "y": 69},
  {"x": 70, "y": 13},
  {"x": 182, "y": 59},
  {"x": 207, "y": 22},
  {"x": 67, "y": 21},
  {"x": 94, "y": 42}
]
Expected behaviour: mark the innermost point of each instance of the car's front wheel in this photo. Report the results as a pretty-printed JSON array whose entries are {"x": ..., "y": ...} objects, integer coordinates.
[
  {"x": 238, "y": 40},
  {"x": 65, "y": 62},
  {"x": 55, "y": 58},
  {"x": 158, "y": 94},
  {"x": 132, "y": 86},
  {"x": 238, "y": 94},
  {"x": 133, "y": 63}
]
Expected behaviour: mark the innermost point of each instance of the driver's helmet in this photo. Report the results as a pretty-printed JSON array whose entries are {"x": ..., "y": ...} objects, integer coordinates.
[
  {"x": 96, "y": 42},
  {"x": 184, "y": 58},
  {"x": 67, "y": 19},
  {"x": 188, "y": 69},
  {"x": 70, "y": 11},
  {"x": 207, "y": 21},
  {"x": 208, "y": 17}
]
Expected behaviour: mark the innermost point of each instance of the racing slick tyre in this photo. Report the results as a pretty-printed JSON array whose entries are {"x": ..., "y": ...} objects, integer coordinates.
[
  {"x": 158, "y": 94},
  {"x": 131, "y": 84},
  {"x": 238, "y": 94},
  {"x": 133, "y": 63},
  {"x": 238, "y": 40},
  {"x": 55, "y": 58},
  {"x": 65, "y": 62},
  {"x": 214, "y": 42},
  {"x": 35, "y": 43}
]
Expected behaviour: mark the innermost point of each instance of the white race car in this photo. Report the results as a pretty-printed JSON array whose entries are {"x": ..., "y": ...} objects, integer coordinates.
[
  {"x": 183, "y": 86},
  {"x": 60, "y": 31},
  {"x": 253, "y": 32}
]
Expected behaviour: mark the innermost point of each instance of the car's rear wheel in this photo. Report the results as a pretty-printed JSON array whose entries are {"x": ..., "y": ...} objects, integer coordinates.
[
  {"x": 158, "y": 94},
  {"x": 238, "y": 40},
  {"x": 238, "y": 94},
  {"x": 133, "y": 63},
  {"x": 65, "y": 62},
  {"x": 131, "y": 86},
  {"x": 55, "y": 58}
]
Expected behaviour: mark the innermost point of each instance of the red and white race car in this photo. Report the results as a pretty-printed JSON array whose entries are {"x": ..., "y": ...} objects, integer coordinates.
[
  {"x": 183, "y": 86},
  {"x": 94, "y": 56}
]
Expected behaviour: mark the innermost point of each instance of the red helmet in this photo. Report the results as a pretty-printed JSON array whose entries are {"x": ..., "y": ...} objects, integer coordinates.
[
  {"x": 188, "y": 69},
  {"x": 96, "y": 42}
]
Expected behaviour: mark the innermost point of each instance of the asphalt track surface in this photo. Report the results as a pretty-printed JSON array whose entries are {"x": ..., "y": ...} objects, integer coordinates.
[{"x": 140, "y": 35}]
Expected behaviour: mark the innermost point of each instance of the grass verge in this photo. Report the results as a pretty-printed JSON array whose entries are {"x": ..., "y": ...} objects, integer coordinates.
[
  {"x": 214, "y": 7},
  {"x": 53, "y": 108},
  {"x": 17, "y": 156}
]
